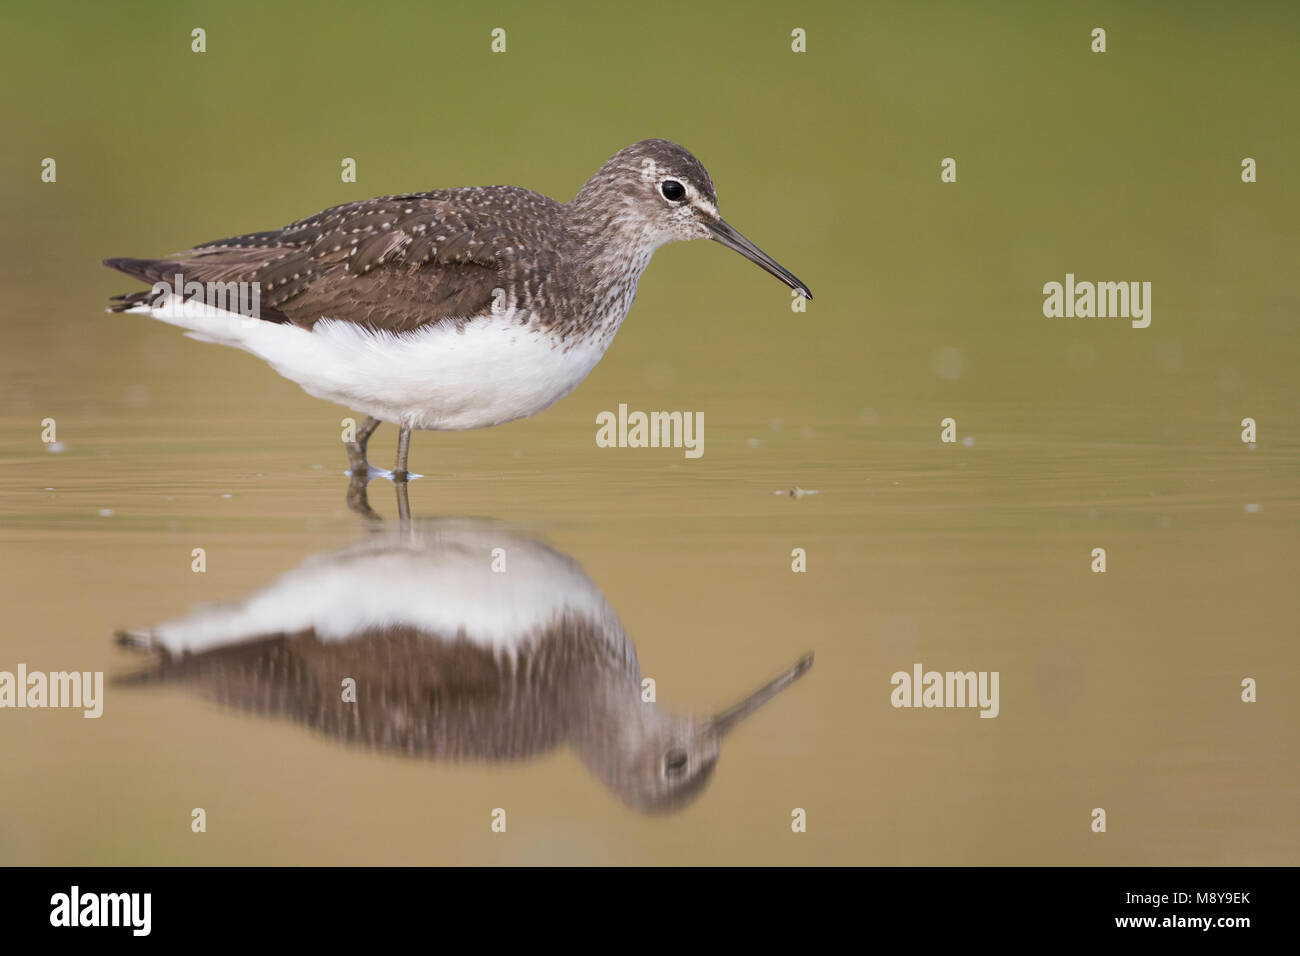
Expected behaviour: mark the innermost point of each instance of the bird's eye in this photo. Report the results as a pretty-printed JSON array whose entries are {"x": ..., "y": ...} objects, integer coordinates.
[
  {"x": 673, "y": 190},
  {"x": 675, "y": 761}
]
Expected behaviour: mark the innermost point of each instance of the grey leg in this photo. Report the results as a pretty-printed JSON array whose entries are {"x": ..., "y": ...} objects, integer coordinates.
[
  {"x": 403, "y": 502},
  {"x": 357, "y": 449},
  {"x": 403, "y": 446}
]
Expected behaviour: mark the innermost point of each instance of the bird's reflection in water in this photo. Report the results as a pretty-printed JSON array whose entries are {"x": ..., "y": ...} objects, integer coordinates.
[{"x": 466, "y": 642}]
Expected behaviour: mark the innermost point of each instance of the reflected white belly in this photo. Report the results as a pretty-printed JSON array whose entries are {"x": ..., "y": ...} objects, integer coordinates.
[{"x": 446, "y": 588}]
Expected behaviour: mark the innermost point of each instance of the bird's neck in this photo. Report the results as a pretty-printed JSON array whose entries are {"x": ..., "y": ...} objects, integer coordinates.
[{"x": 613, "y": 249}]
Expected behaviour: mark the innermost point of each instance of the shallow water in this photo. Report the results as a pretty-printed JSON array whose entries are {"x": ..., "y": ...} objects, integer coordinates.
[{"x": 1118, "y": 690}]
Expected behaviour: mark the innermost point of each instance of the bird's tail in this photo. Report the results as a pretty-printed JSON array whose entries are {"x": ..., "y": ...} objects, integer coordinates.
[{"x": 146, "y": 270}]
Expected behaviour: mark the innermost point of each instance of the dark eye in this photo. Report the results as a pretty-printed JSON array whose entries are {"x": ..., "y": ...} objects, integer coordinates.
[
  {"x": 673, "y": 190},
  {"x": 675, "y": 760}
]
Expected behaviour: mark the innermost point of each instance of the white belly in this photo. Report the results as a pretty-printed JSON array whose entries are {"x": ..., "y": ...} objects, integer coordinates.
[
  {"x": 489, "y": 371},
  {"x": 493, "y": 370}
]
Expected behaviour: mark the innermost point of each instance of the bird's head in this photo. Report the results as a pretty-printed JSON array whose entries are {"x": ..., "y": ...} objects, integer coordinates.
[{"x": 657, "y": 192}]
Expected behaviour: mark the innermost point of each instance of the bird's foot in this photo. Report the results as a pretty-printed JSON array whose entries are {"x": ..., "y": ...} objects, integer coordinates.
[
  {"x": 365, "y": 472},
  {"x": 397, "y": 477}
]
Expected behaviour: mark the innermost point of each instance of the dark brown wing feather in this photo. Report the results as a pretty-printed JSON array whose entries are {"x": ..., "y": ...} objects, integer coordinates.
[{"x": 396, "y": 263}]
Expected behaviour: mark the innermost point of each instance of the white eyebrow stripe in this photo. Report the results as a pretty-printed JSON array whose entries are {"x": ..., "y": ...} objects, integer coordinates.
[{"x": 702, "y": 203}]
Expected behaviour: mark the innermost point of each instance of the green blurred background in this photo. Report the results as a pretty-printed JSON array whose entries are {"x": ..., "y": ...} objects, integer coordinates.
[{"x": 1118, "y": 690}]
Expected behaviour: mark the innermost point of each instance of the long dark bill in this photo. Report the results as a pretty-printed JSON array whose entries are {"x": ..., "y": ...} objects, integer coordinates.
[{"x": 726, "y": 234}]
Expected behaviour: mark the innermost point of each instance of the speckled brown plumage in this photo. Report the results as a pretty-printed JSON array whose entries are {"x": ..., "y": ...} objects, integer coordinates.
[{"x": 399, "y": 263}]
